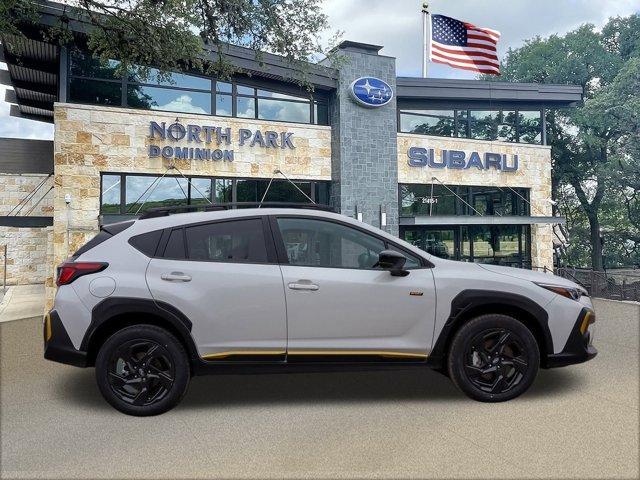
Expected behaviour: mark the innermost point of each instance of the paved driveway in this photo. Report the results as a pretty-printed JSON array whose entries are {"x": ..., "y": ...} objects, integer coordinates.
[{"x": 579, "y": 422}]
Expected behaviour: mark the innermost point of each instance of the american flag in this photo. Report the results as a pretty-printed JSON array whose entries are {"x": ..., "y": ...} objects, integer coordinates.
[{"x": 463, "y": 45}]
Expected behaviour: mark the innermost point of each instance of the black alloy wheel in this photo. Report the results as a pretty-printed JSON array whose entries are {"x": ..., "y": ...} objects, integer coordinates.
[
  {"x": 493, "y": 358},
  {"x": 142, "y": 370}
]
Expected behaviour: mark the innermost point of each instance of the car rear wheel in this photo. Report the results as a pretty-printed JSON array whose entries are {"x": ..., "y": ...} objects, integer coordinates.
[
  {"x": 142, "y": 370},
  {"x": 493, "y": 358}
]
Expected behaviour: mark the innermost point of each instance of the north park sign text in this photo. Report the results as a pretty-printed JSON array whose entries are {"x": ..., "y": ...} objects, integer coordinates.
[{"x": 223, "y": 137}]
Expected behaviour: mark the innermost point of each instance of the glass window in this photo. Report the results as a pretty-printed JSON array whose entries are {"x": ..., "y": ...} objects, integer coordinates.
[
  {"x": 462, "y": 119},
  {"x": 428, "y": 122},
  {"x": 240, "y": 241},
  {"x": 144, "y": 192},
  {"x": 322, "y": 193},
  {"x": 110, "y": 201},
  {"x": 529, "y": 127},
  {"x": 95, "y": 92},
  {"x": 285, "y": 111},
  {"x": 224, "y": 87},
  {"x": 223, "y": 105},
  {"x": 83, "y": 64},
  {"x": 319, "y": 243},
  {"x": 223, "y": 190},
  {"x": 498, "y": 244},
  {"x": 506, "y": 124},
  {"x": 417, "y": 200},
  {"x": 157, "y": 98},
  {"x": 483, "y": 125},
  {"x": 152, "y": 75},
  {"x": 242, "y": 90},
  {"x": 439, "y": 243},
  {"x": 267, "y": 93},
  {"x": 321, "y": 113},
  {"x": 175, "y": 245},
  {"x": 283, "y": 191},
  {"x": 245, "y": 107},
  {"x": 246, "y": 190},
  {"x": 200, "y": 191}
]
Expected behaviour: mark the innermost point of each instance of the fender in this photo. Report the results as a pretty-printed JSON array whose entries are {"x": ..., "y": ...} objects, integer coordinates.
[
  {"x": 112, "y": 307},
  {"x": 467, "y": 303}
]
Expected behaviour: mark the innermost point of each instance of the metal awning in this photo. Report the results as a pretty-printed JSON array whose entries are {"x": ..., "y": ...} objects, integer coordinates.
[
  {"x": 480, "y": 220},
  {"x": 32, "y": 71}
]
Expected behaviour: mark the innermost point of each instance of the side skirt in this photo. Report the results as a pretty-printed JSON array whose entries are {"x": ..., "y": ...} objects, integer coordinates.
[{"x": 250, "y": 368}]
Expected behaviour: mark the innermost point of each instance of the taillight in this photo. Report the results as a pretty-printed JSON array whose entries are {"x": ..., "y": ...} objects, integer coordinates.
[{"x": 69, "y": 271}]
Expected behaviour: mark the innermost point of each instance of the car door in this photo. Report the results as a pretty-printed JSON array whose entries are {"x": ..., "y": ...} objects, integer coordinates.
[
  {"x": 340, "y": 305},
  {"x": 225, "y": 278}
]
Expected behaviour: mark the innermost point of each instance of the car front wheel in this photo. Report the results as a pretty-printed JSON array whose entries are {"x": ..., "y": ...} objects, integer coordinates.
[
  {"x": 142, "y": 370},
  {"x": 493, "y": 358}
]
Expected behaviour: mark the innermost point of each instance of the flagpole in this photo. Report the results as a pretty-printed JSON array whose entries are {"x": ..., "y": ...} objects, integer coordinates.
[{"x": 426, "y": 37}]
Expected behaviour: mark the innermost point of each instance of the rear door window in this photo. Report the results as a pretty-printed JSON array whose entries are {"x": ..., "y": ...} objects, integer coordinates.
[
  {"x": 238, "y": 241},
  {"x": 175, "y": 245}
]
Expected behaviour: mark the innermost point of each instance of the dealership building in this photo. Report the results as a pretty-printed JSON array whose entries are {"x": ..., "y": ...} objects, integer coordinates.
[{"x": 460, "y": 168}]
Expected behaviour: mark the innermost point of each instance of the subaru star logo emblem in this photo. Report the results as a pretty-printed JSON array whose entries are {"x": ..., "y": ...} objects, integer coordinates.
[{"x": 371, "y": 92}]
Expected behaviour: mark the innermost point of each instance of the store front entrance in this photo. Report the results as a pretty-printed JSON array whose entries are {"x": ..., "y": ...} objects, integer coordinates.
[{"x": 508, "y": 245}]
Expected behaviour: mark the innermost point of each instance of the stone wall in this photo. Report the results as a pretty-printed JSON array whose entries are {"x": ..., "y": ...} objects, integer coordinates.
[
  {"x": 534, "y": 173},
  {"x": 364, "y": 144},
  {"x": 92, "y": 139},
  {"x": 26, "y": 247}
]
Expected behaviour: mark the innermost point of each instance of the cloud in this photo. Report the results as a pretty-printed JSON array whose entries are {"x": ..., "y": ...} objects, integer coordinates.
[{"x": 183, "y": 103}]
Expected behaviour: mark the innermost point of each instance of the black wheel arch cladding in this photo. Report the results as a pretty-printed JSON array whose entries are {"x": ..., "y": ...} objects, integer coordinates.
[
  {"x": 112, "y": 309},
  {"x": 470, "y": 303}
]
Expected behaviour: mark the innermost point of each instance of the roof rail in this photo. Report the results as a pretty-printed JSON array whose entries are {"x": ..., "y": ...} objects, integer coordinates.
[{"x": 170, "y": 210}]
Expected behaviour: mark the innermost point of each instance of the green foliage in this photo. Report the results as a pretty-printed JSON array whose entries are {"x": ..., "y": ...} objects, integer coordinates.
[
  {"x": 172, "y": 35},
  {"x": 596, "y": 147}
]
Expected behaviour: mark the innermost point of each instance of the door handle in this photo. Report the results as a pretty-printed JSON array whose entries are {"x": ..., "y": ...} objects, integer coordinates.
[
  {"x": 303, "y": 286},
  {"x": 175, "y": 277}
]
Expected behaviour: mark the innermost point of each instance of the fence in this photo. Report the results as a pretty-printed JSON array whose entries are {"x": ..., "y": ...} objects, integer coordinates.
[{"x": 613, "y": 284}]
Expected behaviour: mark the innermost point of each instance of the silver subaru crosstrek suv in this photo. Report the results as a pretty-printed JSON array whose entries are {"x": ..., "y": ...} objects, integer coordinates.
[{"x": 153, "y": 301}]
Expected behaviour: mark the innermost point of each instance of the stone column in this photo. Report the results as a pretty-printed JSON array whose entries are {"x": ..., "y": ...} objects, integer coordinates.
[{"x": 364, "y": 140}]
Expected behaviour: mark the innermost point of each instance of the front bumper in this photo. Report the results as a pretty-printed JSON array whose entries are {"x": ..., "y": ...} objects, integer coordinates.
[
  {"x": 57, "y": 344},
  {"x": 578, "y": 348}
]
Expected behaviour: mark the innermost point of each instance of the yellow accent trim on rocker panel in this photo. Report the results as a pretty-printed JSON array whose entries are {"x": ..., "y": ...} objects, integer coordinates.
[
  {"x": 380, "y": 353},
  {"x": 232, "y": 353}
]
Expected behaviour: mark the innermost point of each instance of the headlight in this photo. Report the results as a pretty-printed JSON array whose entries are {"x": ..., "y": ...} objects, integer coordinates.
[{"x": 569, "y": 292}]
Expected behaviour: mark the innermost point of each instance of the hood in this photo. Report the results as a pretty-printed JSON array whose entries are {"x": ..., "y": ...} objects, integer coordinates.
[{"x": 532, "y": 276}]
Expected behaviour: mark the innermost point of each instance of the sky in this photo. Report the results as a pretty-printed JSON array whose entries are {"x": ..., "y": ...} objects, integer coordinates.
[{"x": 397, "y": 25}]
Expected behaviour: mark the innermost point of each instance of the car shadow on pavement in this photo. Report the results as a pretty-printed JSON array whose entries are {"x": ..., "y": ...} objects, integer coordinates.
[{"x": 306, "y": 388}]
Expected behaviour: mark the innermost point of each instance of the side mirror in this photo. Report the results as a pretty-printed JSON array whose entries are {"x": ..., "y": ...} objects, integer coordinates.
[{"x": 392, "y": 261}]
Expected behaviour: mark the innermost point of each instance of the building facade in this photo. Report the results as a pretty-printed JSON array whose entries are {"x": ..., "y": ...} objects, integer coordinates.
[{"x": 459, "y": 168}]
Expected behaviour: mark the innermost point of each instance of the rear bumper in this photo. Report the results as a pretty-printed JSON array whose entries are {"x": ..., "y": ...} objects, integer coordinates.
[
  {"x": 57, "y": 344},
  {"x": 578, "y": 348}
]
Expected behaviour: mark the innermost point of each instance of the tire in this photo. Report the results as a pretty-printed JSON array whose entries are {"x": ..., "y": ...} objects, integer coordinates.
[
  {"x": 142, "y": 370},
  {"x": 493, "y": 358}
]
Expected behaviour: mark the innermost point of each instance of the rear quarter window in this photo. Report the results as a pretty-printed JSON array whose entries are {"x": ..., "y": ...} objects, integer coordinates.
[{"x": 146, "y": 243}]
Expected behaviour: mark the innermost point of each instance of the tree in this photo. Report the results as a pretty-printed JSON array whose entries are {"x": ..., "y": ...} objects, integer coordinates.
[
  {"x": 172, "y": 35},
  {"x": 593, "y": 145}
]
